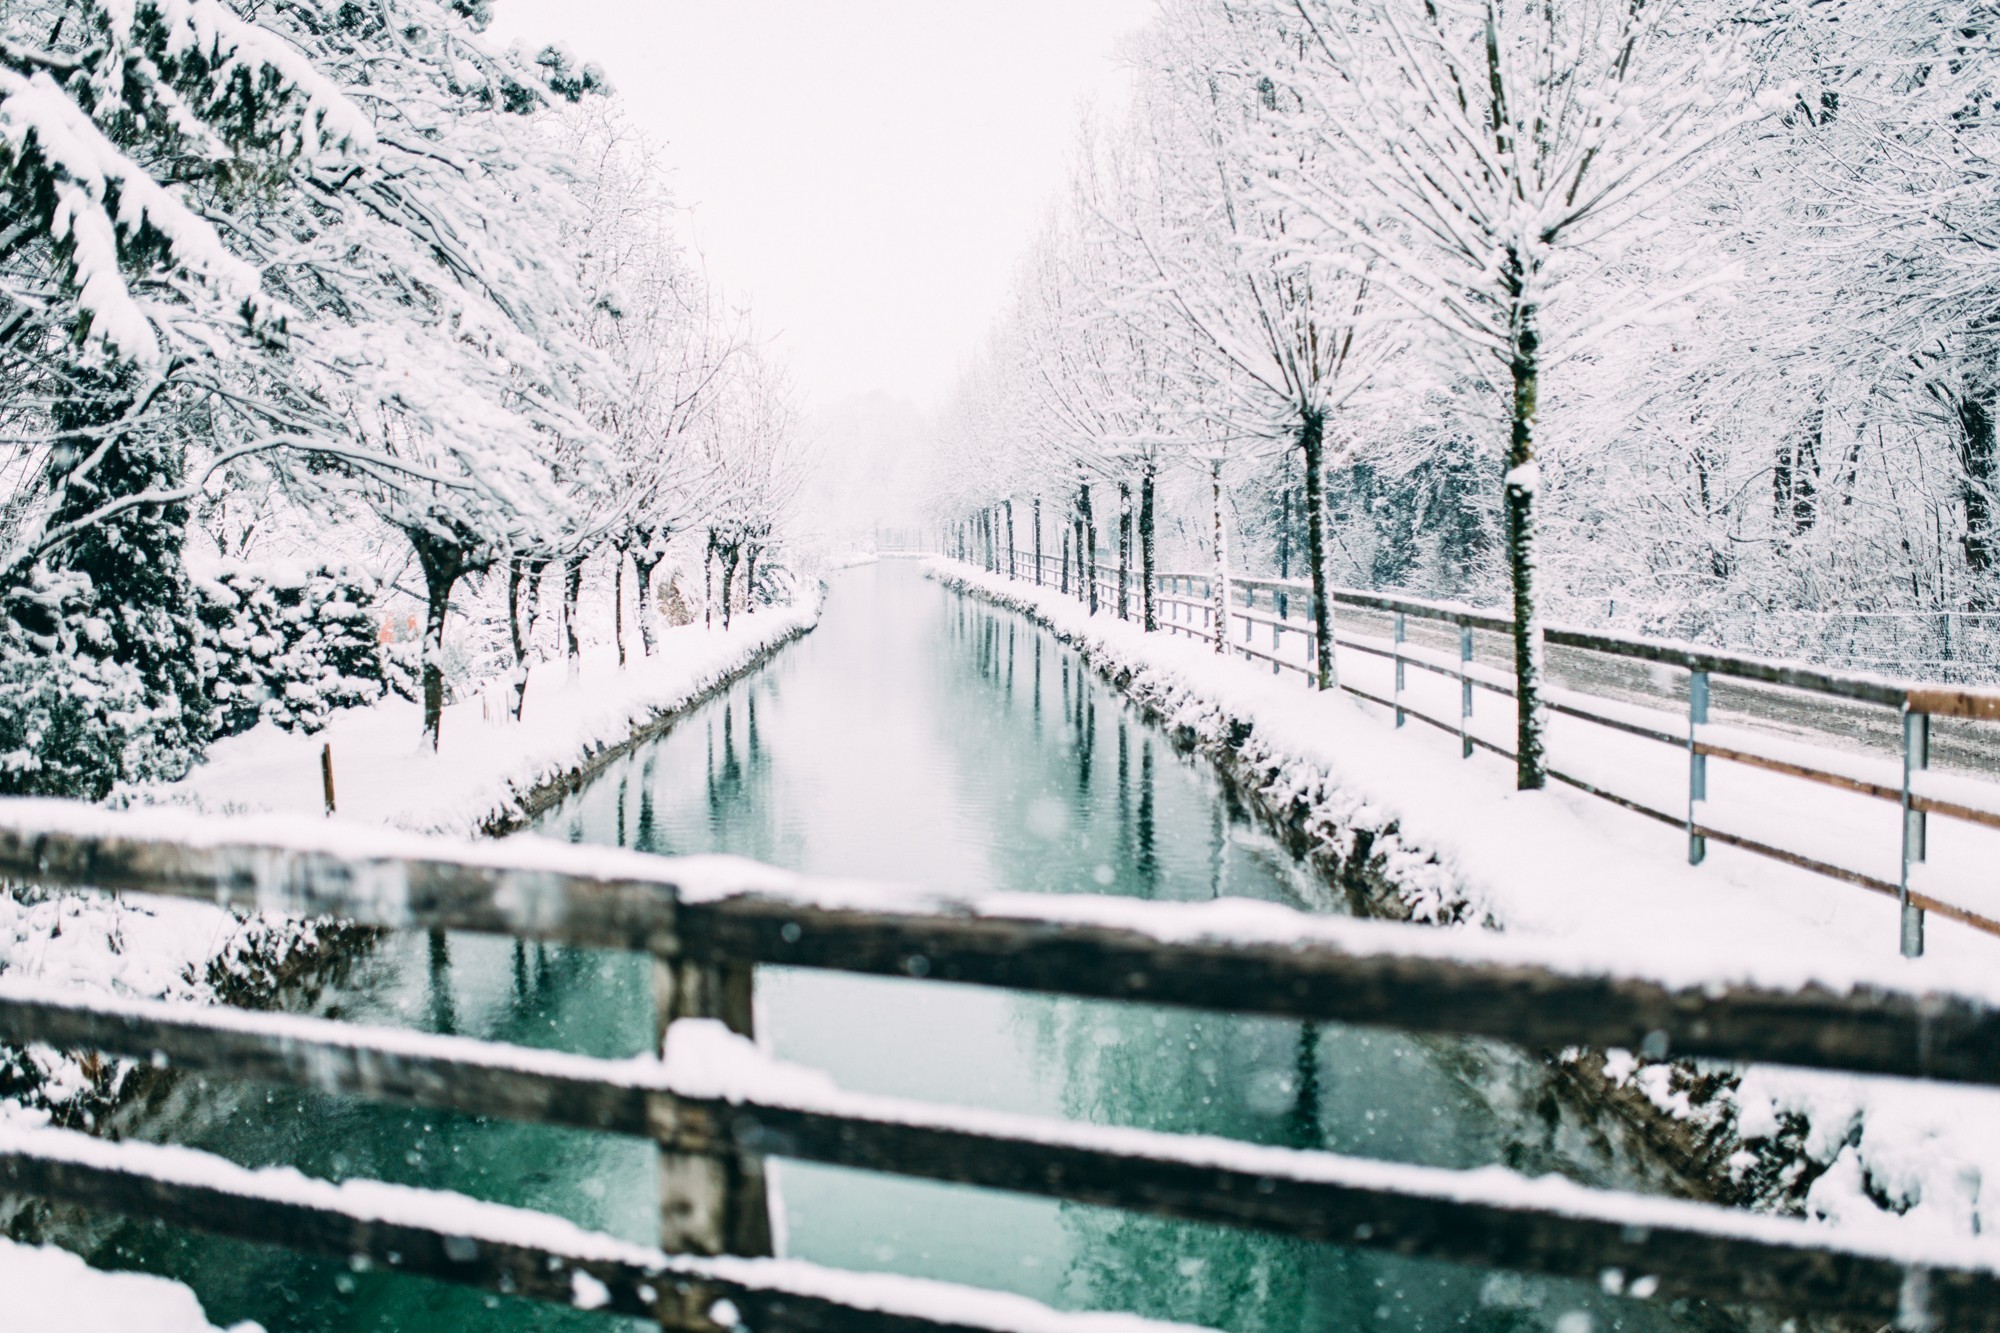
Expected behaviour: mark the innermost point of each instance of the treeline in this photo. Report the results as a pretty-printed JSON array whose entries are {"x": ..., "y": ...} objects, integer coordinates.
[
  {"x": 1667, "y": 313},
  {"x": 332, "y": 279}
]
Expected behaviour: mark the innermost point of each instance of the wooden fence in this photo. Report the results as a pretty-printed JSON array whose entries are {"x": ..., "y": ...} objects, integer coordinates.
[
  {"x": 716, "y": 1114},
  {"x": 1279, "y": 612}
]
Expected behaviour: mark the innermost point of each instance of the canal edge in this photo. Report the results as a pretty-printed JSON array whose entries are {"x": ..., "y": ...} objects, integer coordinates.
[
  {"x": 519, "y": 809},
  {"x": 1370, "y": 864}
]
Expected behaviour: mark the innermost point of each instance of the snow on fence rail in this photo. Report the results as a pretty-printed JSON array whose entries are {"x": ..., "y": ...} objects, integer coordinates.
[
  {"x": 716, "y": 1107},
  {"x": 1188, "y": 606}
]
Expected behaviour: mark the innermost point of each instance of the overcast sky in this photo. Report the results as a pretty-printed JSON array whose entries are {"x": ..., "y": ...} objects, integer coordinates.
[{"x": 866, "y": 173}]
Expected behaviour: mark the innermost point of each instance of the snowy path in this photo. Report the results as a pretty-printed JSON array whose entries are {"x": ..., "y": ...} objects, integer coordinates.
[{"x": 1563, "y": 865}]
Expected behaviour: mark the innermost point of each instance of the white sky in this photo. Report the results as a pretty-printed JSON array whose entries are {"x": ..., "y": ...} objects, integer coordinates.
[{"x": 865, "y": 173}]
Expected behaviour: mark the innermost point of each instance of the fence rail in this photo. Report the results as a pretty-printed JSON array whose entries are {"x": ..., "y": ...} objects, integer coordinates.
[
  {"x": 1188, "y": 606},
  {"x": 716, "y": 1108}
]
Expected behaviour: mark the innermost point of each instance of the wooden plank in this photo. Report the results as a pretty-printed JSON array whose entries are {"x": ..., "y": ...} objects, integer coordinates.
[
  {"x": 1972, "y": 814},
  {"x": 1955, "y": 701},
  {"x": 1775, "y": 765},
  {"x": 1846, "y": 685},
  {"x": 1867, "y": 1030},
  {"x": 1692, "y": 657},
  {"x": 1806, "y": 1271},
  {"x": 1963, "y": 915},
  {"x": 1615, "y": 724},
  {"x": 1694, "y": 1251},
  {"x": 1380, "y": 982},
  {"x": 678, "y": 1294},
  {"x": 1423, "y": 610},
  {"x": 482, "y": 894}
]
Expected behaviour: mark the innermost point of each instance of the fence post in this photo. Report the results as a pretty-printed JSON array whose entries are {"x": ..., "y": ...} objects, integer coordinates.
[
  {"x": 1400, "y": 636},
  {"x": 710, "y": 1203},
  {"x": 1465, "y": 691},
  {"x": 1277, "y": 632},
  {"x": 1916, "y": 758},
  {"x": 1697, "y": 763}
]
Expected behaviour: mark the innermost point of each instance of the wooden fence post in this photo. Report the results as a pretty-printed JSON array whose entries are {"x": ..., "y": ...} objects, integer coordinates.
[{"x": 710, "y": 1204}]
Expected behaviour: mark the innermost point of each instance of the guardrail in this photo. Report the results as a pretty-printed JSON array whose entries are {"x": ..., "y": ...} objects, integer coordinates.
[
  {"x": 716, "y": 1107},
  {"x": 1188, "y": 607}
]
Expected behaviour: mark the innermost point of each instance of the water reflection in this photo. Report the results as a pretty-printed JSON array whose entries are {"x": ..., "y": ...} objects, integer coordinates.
[{"x": 920, "y": 737}]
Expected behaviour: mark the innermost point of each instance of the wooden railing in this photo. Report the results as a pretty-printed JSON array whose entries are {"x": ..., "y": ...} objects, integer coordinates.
[
  {"x": 1187, "y": 607},
  {"x": 716, "y": 1107}
]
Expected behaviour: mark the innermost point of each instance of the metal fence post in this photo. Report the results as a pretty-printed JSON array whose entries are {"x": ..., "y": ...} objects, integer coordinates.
[
  {"x": 1400, "y": 637},
  {"x": 1465, "y": 691},
  {"x": 1277, "y": 632},
  {"x": 1697, "y": 763},
  {"x": 1916, "y": 758}
]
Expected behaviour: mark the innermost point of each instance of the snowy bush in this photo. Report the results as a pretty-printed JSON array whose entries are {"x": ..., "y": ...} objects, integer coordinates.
[{"x": 289, "y": 644}]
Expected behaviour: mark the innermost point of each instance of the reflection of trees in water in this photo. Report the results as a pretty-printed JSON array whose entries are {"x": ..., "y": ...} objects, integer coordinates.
[{"x": 512, "y": 991}]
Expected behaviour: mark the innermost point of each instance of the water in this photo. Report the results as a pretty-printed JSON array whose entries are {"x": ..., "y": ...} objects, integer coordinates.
[{"x": 921, "y": 737}]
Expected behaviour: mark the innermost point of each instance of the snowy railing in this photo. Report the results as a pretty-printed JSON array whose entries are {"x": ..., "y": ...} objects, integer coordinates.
[
  {"x": 715, "y": 1106},
  {"x": 1186, "y": 606}
]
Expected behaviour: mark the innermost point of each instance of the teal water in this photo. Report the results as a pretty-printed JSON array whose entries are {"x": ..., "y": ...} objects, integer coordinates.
[{"x": 921, "y": 737}]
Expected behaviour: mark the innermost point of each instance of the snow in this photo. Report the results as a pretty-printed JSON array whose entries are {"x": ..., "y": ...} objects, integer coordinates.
[
  {"x": 706, "y": 1060},
  {"x": 35, "y": 108},
  {"x": 50, "y": 1290},
  {"x": 479, "y": 1222},
  {"x": 486, "y": 763},
  {"x": 108, "y": 949},
  {"x": 1581, "y": 884}
]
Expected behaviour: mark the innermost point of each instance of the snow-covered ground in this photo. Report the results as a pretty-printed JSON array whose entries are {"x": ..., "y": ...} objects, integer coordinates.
[
  {"x": 486, "y": 765},
  {"x": 52, "y": 1291},
  {"x": 1563, "y": 865}
]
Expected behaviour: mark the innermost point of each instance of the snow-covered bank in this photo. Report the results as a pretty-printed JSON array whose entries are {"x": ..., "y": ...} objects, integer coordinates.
[
  {"x": 1418, "y": 832},
  {"x": 488, "y": 771}
]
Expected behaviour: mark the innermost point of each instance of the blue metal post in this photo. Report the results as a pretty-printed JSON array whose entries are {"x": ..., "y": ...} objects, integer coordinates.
[
  {"x": 1399, "y": 668},
  {"x": 1465, "y": 691},
  {"x": 1697, "y": 763},
  {"x": 1916, "y": 758}
]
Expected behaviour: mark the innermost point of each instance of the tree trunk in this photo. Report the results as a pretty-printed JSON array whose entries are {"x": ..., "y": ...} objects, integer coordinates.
[
  {"x": 1980, "y": 454},
  {"x": 643, "y": 565},
  {"x": 517, "y": 569},
  {"x": 1312, "y": 442},
  {"x": 1124, "y": 550},
  {"x": 536, "y": 568},
  {"x": 708, "y": 584},
  {"x": 1038, "y": 540},
  {"x": 572, "y": 593},
  {"x": 1007, "y": 508},
  {"x": 618, "y": 600},
  {"x": 1087, "y": 541},
  {"x": 443, "y": 562},
  {"x": 750, "y": 581},
  {"x": 730, "y": 556},
  {"x": 1522, "y": 484},
  {"x": 1220, "y": 597},
  {"x": 1065, "y": 563},
  {"x": 1147, "y": 577}
]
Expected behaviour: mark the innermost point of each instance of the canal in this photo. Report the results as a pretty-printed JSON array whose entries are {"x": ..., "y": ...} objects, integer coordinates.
[{"x": 923, "y": 737}]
